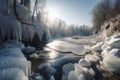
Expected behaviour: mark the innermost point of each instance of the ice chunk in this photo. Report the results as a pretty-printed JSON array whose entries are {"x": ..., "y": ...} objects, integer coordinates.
[
  {"x": 13, "y": 52},
  {"x": 98, "y": 46},
  {"x": 52, "y": 78},
  {"x": 111, "y": 63},
  {"x": 12, "y": 74},
  {"x": 115, "y": 52},
  {"x": 28, "y": 50},
  {"x": 91, "y": 58},
  {"x": 73, "y": 76},
  {"x": 66, "y": 69},
  {"x": 11, "y": 62},
  {"x": 13, "y": 44},
  {"x": 114, "y": 43},
  {"x": 84, "y": 63},
  {"x": 47, "y": 69}
]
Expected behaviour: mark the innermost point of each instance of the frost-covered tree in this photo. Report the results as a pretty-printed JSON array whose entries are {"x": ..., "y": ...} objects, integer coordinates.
[
  {"x": 18, "y": 23},
  {"x": 103, "y": 11},
  {"x": 60, "y": 29}
]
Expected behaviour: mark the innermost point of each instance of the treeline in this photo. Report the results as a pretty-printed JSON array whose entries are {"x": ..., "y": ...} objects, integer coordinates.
[
  {"x": 56, "y": 29},
  {"x": 59, "y": 29},
  {"x": 103, "y": 11}
]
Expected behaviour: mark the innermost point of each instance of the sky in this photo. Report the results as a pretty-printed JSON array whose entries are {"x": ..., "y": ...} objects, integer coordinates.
[{"x": 72, "y": 11}]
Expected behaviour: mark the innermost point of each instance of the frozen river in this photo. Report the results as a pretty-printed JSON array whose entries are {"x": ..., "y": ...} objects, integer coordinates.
[{"x": 67, "y": 50}]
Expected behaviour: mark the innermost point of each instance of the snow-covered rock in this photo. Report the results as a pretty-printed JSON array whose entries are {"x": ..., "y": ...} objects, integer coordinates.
[
  {"x": 73, "y": 76},
  {"x": 81, "y": 73},
  {"x": 115, "y": 42},
  {"x": 28, "y": 50},
  {"x": 97, "y": 47},
  {"x": 80, "y": 70},
  {"x": 111, "y": 62},
  {"x": 66, "y": 69},
  {"x": 91, "y": 58},
  {"x": 85, "y": 63},
  {"x": 116, "y": 36},
  {"x": 12, "y": 74},
  {"x": 47, "y": 69},
  {"x": 115, "y": 52},
  {"x": 52, "y": 78}
]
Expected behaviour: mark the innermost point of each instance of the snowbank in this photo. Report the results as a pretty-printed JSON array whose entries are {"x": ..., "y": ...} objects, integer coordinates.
[
  {"x": 12, "y": 74},
  {"x": 98, "y": 46},
  {"x": 92, "y": 65},
  {"x": 13, "y": 64},
  {"x": 111, "y": 56}
]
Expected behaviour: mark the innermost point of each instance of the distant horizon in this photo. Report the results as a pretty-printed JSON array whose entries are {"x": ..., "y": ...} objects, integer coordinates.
[{"x": 72, "y": 11}]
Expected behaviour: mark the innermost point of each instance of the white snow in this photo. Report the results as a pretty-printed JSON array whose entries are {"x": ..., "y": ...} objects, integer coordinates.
[
  {"x": 81, "y": 73},
  {"x": 12, "y": 74},
  {"x": 91, "y": 58},
  {"x": 84, "y": 63},
  {"x": 114, "y": 42},
  {"x": 111, "y": 63},
  {"x": 13, "y": 44},
  {"x": 11, "y": 62},
  {"x": 13, "y": 52},
  {"x": 110, "y": 54},
  {"x": 98, "y": 46}
]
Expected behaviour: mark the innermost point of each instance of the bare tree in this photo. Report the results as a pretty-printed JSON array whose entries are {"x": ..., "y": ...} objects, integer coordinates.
[{"x": 101, "y": 13}]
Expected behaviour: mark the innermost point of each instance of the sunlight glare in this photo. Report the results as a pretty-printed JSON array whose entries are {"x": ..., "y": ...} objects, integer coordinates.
[{"x": 53, "y": 14}]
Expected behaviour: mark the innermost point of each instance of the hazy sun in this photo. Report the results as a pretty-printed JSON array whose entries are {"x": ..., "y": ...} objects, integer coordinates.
[{"x": 53, "y": 14}]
